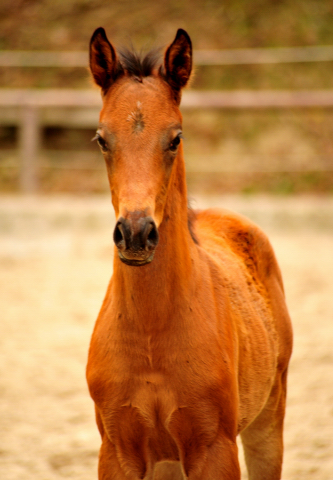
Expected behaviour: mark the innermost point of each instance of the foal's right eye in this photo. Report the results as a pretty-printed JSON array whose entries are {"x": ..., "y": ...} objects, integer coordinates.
[{"x": 101, "y": 142}]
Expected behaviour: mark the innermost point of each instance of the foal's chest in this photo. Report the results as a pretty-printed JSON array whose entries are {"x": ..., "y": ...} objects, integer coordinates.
[
  {"x": 159, "y": 389},
  {"x": 158, "y": 418}
]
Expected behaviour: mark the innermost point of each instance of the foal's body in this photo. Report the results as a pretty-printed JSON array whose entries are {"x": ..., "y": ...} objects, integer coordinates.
[{"x": 190, "y": 348}]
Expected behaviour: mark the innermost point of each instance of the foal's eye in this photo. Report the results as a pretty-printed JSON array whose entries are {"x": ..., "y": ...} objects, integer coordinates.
[
  {"x": 101, "y": 142},
  {"x": 175, "y": 142}
]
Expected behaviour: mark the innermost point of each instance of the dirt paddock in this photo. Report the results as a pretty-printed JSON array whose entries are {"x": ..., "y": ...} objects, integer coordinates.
[{"x": 56, "y": 260}]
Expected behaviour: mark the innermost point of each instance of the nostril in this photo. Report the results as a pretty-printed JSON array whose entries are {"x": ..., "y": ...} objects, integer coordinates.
[
  {"x": 118, "y": 236},
  {"x": 152, "y": 237}
]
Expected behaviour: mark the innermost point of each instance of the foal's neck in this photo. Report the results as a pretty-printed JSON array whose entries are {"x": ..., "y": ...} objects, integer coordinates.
[{"x": 153, "y": 290}]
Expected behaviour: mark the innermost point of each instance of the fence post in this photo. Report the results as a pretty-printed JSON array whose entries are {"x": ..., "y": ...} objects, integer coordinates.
[{"x": 29, "y": 143}]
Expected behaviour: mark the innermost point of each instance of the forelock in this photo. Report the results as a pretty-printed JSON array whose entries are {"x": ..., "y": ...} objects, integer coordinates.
[{"x": 138, "y": 64}]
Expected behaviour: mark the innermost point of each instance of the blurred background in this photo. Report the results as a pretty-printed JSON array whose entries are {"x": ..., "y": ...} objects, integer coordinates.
[
  {"x": 258, "y": 127},
  {"x": 268, "y": 65}
]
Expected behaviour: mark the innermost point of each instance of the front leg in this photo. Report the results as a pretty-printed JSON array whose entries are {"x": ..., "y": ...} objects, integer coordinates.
[
  {"x": 108, "y": 465},
  {"x": 124, "y": 453},
  {"x": 220, "y": 463},
  {"x": 207, "y": 447}
]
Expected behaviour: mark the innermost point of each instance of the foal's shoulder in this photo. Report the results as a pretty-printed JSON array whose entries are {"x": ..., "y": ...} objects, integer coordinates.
[
  {"x": 244, "y": 238},
  {"x": 230, "y": 226}
]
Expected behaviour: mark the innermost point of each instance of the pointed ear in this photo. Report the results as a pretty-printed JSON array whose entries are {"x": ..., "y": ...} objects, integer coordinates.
[
  {"x": 104, "y": 64},
  {"x": 178, "y": 61}
]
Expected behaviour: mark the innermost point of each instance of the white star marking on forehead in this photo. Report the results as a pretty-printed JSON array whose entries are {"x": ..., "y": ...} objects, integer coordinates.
[{"x": 136, "y": 117}]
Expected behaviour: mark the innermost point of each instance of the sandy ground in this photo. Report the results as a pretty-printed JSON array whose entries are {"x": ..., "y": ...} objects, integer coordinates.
[{"x": 56, "y": 260}]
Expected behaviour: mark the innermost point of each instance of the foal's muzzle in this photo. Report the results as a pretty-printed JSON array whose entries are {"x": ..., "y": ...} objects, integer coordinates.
[{"x": 136, "y": 238}]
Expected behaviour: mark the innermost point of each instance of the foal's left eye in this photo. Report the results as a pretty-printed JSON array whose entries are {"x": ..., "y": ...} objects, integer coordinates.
[{"x": 175, "y": 142}]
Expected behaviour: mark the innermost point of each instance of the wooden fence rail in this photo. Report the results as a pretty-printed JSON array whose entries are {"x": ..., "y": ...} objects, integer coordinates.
[
  {"x": 235, "y": 56},
  {"x": 63, "y": 98},
  {"x": 30, "y": 110}
]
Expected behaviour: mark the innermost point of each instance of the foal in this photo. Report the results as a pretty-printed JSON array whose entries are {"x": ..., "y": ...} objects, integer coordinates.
[{"x": 192, "y": 343}]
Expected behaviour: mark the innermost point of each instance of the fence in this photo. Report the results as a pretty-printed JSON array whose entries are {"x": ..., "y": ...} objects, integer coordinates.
[
  {"x": 239, "y": 56},
  {"x": 30, "y": 110}
]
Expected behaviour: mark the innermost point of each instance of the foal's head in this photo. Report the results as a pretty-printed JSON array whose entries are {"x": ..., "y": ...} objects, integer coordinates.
[{"x": 140, "y": 130}]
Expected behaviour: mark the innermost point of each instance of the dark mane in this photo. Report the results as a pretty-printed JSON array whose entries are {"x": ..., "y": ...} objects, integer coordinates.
[
  {"x": 138, "y": 64},
  {"x": 191, "y": 218}
]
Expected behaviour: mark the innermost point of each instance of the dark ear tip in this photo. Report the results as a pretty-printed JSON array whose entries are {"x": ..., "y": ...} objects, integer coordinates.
[
  {"x": 99, "y": 32},
  {"x": 183, "y": 33}
]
